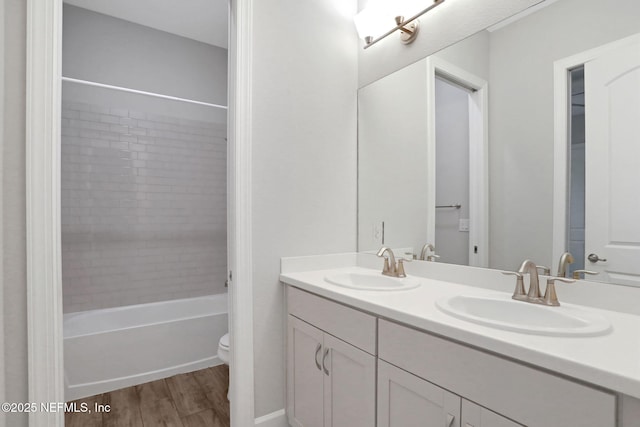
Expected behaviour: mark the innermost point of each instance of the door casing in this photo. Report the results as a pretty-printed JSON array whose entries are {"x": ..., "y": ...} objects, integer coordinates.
[
  {"x": 478, "y": 156},
  {"x": 561, "y": 135}
]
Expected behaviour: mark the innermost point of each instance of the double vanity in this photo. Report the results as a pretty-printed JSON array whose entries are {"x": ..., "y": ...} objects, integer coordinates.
[{"x": 448, "y": 346}]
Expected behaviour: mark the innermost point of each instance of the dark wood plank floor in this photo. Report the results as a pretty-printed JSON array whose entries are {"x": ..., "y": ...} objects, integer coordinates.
[{"x": 195, "y": 399}]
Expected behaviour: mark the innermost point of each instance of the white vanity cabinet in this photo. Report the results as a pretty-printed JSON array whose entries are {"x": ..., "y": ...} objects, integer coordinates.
[
  {"x": 348, "y": 368},
  {"x": 330, "y": 382},
  {"x": 506, "y": 390},
  {"x": 409, "y": 401}
]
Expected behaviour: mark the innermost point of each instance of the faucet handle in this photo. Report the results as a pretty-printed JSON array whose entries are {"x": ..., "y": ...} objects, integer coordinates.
[
  {"x": 576, "y": 273},
  {"x": 519, "y": 293},
  {"x": 400, "y": 269},
  {"x": 550, "y": 296},
  {"x": 544, "y": 270},
  {"x": 386, "y": 268}
]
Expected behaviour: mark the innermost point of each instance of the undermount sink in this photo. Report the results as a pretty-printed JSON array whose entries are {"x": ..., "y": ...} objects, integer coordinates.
[
  {"x": 372, "y": 281},
  {"x": 502, "y": 312}
]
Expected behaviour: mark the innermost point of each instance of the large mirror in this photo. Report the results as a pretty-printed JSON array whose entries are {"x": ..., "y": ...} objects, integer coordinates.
[{"x": 522, "y": 141}]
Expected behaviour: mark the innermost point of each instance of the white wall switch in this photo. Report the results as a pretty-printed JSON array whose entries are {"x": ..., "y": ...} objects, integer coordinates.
[{"x": 463, "y": 225}]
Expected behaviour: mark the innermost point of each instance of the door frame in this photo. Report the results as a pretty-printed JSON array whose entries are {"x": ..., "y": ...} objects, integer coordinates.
[
  {"x": 43, "y": 142},
  {"x": 2, "y": 93},
  {"x": 44, "y": 282},
  {"x": 478, "y": 155},
  {"x": 239, "y": 217},
  {"x": 561, "y": 143}
]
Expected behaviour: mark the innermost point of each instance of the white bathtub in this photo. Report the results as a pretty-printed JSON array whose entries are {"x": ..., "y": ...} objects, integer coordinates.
[{"x": 112, "y": 348}]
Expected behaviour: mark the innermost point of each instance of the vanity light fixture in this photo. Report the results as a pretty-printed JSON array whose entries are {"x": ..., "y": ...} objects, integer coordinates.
[{"x": 373, "y": 18}]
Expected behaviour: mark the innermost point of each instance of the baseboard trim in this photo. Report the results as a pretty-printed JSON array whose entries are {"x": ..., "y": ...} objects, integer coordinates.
[
  {"x": 274, "y": 419},
  {"x": 78, "y": 391}
]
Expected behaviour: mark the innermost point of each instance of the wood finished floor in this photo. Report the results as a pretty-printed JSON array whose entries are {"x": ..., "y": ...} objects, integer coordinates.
[{"x": 195, "y": 399}]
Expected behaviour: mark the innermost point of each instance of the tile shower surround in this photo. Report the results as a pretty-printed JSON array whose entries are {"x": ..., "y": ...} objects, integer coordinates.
[{"x": 143, "y": 207}]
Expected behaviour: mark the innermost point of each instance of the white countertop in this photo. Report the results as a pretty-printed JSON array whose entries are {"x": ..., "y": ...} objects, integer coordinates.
[{"x": 611, "y": 361}]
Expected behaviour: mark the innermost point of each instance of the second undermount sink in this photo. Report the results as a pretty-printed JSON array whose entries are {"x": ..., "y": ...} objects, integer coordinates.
[
  {"x": 372, "y": 281},
  {"x": 502, "y": 312}
]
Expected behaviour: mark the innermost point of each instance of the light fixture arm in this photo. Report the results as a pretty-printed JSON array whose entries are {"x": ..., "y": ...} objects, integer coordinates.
[{"x": 404, "y": 26}]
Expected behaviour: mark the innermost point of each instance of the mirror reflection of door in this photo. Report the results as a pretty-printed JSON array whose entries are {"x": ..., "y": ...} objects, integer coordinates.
[
  {"x": 612, "y": 164},
  {"x": 452, "y": 171}
]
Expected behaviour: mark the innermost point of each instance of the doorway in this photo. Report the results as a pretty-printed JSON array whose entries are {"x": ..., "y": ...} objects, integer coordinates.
[
  {"x": 452, "y": 171},
  {"x": 143, "y": 211},
  {"x": 45, "y": 341},
  {"x": 469, "y": 225}
]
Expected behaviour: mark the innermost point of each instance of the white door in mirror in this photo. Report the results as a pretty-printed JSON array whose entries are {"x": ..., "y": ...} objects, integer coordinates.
[{"x": 612, "y": 109}]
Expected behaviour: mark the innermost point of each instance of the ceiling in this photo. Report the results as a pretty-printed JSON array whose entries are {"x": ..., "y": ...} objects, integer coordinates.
[{"x": 202, "y": 20}]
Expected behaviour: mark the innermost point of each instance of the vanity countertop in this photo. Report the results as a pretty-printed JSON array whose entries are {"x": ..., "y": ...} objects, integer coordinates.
[{"x": 611, "y": 361}]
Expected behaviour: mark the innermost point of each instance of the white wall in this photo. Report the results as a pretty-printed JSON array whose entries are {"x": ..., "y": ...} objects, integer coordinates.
[
  {"x": 392, "y": 159},
  {"x": 304, "y": 158},
  {"x": 113, "y": 51},
  {"x": 14, "y": 280},
  {"x": 470, "y": 54}
]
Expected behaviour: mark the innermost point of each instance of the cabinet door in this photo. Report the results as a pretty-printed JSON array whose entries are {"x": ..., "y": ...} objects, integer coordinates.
[
  {"x": 304, "y": 374},
  {"x": 405, "y": 400},
  {"x": 477, "y": 416},
  {"x": 349, "y": 385}
]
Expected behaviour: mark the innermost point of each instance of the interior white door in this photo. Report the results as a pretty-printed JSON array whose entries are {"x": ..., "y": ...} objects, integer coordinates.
[
  {"x": 349, "y": 385},
  {"x": 612, "y": 205},
  {"x": 305, "y": 378}
]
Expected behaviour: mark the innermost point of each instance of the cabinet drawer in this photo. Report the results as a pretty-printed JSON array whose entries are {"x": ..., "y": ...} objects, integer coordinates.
[
  {"x": 532, "y": 397},
  {"x": 350, "y": 325}
]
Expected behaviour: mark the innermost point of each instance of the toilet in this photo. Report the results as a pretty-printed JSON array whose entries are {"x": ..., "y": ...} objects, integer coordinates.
[
  {"x": 223, "y": 349},
  {"x": 223, "y": 352}
]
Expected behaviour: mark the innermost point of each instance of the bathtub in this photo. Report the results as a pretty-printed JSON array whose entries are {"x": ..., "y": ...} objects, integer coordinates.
[{"x": 112, "y": 348}]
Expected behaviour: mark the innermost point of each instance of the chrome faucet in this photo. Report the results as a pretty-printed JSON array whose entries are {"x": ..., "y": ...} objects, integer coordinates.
[
  {"x": 533, "y": 296},
  {"x": 565, "y": 259},
  {"x": 530, "y": 267},
  {"x": 426, "y": 249},
  {"x": 391, "y": 268}
]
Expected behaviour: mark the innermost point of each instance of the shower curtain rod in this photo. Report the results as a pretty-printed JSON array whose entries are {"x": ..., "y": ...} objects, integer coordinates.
[{"x": 140, "y": 92}]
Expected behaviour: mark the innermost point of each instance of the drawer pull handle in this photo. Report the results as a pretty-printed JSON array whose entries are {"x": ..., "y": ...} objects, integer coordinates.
[
  {"x": 450, "y": 419},
  {"x": 317, "y": 354},
  {"x": 324, "y": 361}
]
